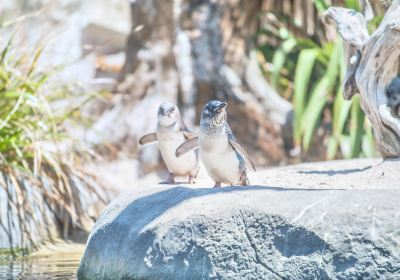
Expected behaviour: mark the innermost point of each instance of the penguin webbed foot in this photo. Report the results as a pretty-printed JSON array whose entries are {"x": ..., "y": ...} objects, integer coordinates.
[
  {"x": 192, "y": 180},
  {"x": 170, "y": 180},
  {"x": 217, "y": 185},
  {"x": 244, "y": 184},
  {"x": 193, "y": 176}
]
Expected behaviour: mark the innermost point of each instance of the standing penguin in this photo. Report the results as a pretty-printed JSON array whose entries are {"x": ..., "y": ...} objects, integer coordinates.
[
  {"x": 224, "y": 159},
  {"x": 171, "y": 132}
]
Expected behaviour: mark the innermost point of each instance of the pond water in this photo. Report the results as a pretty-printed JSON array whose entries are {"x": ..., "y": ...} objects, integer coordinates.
[{"x": 54, "y": 266}]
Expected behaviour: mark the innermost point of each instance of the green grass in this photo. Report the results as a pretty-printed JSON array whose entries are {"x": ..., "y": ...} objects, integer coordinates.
[
  {"x": 35, "y": 178},
  {"x": 312, "y": 71}
]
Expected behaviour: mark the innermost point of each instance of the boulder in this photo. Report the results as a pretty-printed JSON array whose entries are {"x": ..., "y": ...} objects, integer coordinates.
[{"x": 331, "y": 220}]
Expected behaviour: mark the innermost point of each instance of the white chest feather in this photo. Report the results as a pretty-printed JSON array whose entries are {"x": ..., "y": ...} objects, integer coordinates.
[
  {"x": 219, "y": 159},
  {"x": 168, "y": 142}
]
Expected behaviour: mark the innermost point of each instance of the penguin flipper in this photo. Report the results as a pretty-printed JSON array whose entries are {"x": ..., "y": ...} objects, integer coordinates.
[
  {"x": 187, "y": 146},
  {"x": 236, "y": 146},
  {"x": 148, "y": 138}
]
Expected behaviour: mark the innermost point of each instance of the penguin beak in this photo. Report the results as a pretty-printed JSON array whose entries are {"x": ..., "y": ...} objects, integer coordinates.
[{"x": 220, "y": 107}]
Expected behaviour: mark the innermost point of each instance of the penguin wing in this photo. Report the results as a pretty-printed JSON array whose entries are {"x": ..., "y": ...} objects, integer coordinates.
[
  {"x": 148, "y": 138},
  {"x": 238, "y": 149},
  {"x": 187, "y": 146}
]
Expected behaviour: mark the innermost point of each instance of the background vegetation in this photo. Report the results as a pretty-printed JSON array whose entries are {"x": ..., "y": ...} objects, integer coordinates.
[
  {"x": 42, "y": 186},
  {"x": 308, "y": 70}
]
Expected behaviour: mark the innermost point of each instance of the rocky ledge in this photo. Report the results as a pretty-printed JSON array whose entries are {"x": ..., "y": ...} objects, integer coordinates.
[{"x": 330, "y": 220}]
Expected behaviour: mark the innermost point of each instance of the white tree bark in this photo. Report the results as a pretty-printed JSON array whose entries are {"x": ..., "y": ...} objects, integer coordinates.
[{"x": 372, "y": 62}]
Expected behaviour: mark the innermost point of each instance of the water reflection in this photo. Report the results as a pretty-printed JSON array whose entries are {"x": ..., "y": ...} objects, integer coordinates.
[{"x": 61, "y": 266}]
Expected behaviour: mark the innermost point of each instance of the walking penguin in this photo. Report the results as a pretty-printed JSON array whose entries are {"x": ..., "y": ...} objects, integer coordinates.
[
  {"x": 171, "y": 132},
  {"x": 224, "y": 159}
]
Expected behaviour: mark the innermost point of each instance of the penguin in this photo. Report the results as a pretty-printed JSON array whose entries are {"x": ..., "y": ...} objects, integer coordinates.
[
  {"x": 171, "y": 132},
  {"x": 393, "y": 96},
  {"x": 224, "y": 159}
]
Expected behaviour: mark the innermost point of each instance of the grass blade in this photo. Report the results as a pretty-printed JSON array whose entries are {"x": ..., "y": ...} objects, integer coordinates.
[
  {"x": 279, "y": 59},
  {"x": 305, "y": 65},
  {"x": 319, "y": 97},
  {"x": 356, "y": 127}
]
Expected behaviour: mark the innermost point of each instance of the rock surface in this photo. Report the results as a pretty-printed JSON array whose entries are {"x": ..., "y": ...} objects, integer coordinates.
[{"x": 332, "y": 220}]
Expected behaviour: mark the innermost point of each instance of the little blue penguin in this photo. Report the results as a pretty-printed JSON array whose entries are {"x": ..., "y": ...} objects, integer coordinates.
[
  {"x": 224, "y": 159},
  {"x": 171, "y": 132}
]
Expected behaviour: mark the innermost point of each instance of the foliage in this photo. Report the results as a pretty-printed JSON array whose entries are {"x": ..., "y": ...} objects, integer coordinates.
[
  {"x": 25, "y": 116},
  {"x": 312, "y": 71},
  {"x": 36, "y": 177}
]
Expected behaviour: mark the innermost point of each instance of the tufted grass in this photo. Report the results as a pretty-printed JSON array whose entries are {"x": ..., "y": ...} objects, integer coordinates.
[{"x": 43, "y": 191}]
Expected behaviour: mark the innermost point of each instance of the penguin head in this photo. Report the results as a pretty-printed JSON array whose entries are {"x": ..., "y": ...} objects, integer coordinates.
[
  {"x": 168, "y": 114},
  {"x": 214, "y": 113}
]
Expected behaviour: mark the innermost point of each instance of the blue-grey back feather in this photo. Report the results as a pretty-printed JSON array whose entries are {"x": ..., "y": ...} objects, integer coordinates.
[{"x": 232, "y": 138}]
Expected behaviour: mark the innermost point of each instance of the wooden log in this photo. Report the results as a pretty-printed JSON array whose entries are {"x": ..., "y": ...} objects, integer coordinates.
[{"x": 372, "y": 62}]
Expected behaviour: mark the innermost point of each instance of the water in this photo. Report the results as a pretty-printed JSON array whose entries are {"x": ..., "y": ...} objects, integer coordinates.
[{"x": 57, "y": 265}]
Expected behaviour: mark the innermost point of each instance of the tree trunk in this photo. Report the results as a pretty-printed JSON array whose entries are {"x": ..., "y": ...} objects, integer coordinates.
[
  {"x": 372, "y": 62},
  {"x": 189, "y": 52}
]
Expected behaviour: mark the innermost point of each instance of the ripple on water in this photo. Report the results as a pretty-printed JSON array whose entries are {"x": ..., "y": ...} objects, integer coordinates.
[{"x": 60, "y": 267}]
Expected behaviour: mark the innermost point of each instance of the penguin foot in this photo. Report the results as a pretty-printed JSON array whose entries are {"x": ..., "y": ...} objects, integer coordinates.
[
  {"x": 191, "y": 179},
  {"x": 217, "y": 185},
  {"x": 170, "y": 180},
  {"x": 243, "y": 183}
]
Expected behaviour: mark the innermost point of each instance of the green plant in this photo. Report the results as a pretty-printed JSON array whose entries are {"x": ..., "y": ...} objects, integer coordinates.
[
  {"x": 313, "y": 71},
  {"x": 36, "y": 178}
]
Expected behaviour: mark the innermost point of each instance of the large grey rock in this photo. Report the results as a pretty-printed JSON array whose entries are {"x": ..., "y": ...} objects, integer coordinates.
[{"x": 333, "y": 220}]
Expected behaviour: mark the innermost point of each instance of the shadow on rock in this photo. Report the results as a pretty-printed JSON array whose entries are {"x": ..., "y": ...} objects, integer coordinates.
[
  {"x": 144, "y": 210},
  {"x": 335, "y": 172}
]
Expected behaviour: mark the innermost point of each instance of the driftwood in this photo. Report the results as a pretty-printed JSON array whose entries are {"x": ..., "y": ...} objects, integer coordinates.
[{"x": 373, "y": 60}]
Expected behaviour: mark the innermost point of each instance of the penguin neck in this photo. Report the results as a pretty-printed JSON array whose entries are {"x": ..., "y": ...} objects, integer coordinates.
[
  {"x": 210, "y": 129},
  {"x": 166, "y": 128}
]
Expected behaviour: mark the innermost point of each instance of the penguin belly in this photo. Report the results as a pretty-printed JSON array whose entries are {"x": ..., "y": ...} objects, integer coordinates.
[
  {"x": 220, "y": 160},
  {"x": 187, "y": 164}
]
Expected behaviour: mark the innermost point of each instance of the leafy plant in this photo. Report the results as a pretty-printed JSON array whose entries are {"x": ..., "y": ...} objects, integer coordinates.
[
  {"x": 313, "y": 70},
  {"x": 36, "y": 178}
]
